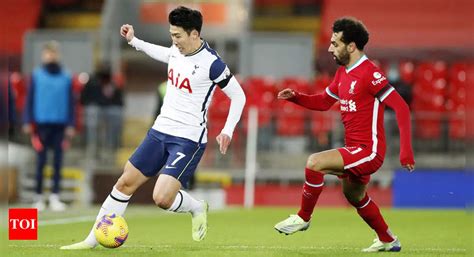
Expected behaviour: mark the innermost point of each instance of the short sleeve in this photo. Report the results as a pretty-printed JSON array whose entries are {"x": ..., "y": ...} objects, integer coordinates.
[
  {"x": 377, "y": 83},
  {"x": 219, "y": 73}
]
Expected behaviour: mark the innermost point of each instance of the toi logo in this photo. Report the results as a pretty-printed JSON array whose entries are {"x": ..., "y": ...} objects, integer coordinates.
[{"x": 23, "y": 224}]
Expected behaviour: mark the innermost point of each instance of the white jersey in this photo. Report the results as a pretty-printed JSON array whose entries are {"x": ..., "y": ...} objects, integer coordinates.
[{"x": 192, "y": 80}]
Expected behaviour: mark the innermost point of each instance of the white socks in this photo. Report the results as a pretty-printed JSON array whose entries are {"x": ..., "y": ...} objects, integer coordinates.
[
  {"x": 184, "y": 202},
  {"x": 116, "y": 203}
]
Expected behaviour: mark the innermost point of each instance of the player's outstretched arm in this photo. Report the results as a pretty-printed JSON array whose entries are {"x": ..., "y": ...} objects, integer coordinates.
[
  {"x": 402, "y": 112},
  {"x": 237, "y": 102},
  {"x": 156, "y": 52},
  {"x": 317, "y": 102}
]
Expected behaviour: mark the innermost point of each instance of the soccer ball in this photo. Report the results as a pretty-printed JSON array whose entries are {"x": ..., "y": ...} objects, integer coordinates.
[{"x": 111, "y": 230}]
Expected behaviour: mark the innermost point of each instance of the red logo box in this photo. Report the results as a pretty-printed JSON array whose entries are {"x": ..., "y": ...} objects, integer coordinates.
[{"x": 23, "y": 224}]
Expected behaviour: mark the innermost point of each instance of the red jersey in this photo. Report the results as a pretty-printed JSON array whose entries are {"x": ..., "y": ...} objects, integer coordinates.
[{"x": 360, "y": 91}]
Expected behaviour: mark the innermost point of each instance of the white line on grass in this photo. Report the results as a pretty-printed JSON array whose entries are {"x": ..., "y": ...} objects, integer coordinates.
[
  {"x": 257, "y": 247},
  {"x": 66, "y": 220}
]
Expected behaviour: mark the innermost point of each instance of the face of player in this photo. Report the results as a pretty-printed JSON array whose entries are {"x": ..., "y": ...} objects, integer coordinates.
[
  {"x": 49, "y": 56},
  {"x": 339, "y": 50},
  {"x": 186, "y": 43}
]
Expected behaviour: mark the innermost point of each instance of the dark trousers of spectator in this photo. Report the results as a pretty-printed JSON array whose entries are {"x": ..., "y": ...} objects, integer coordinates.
[{"x": 51, "y": 136}]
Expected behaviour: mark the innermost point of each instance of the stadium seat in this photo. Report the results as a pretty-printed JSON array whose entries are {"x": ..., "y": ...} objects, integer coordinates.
[
  {"x": 290, "y": 119},
  {"x": 296, "y": 83},
  {"x": 407, "y": 71},
  {"x": 456, "y": 103},
  {"x": 261, "y": 93}
]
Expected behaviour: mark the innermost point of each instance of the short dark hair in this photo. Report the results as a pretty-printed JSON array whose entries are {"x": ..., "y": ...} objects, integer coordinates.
[
  {"x": 186, "y": 18},
  {"x": 353, "y": 30}
]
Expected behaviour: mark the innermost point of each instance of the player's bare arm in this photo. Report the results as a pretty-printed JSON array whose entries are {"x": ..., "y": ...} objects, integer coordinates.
[{"x": 127, "y": 32}]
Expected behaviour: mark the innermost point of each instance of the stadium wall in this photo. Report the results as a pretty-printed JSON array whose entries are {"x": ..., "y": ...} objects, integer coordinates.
[{"x": 433, "y": 189}]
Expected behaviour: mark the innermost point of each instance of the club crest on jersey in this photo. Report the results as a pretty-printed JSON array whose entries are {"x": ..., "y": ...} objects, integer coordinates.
[
  {"x": 378, "y": 78},
  {"x": 181, "y": 84},
  {"x": 353, "y": 84},
  {"x": 195, "y": 68}
]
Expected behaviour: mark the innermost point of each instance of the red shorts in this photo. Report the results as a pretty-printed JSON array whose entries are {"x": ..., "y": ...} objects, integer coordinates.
[{"x": 359, "y": 163}]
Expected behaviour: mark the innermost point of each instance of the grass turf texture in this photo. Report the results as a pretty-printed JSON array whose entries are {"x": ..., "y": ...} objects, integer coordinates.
[{"x": 240, "y": 232}]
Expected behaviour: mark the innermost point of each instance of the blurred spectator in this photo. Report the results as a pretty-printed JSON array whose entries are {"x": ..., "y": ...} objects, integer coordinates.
[
  {"x": 103, "y": 101},
  {"x": 402, "y": 87},
  {"x": 11, "y": 111},
  {"x": 160, "y": 96},
  {"x": 49, "y": 119}
]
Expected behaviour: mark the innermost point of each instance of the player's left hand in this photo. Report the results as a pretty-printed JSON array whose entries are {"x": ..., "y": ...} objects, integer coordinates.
[
  {"x": 224, "y": 141},
  {"x": 70, "y": 132},
  {"x": 409, "y": 167}
]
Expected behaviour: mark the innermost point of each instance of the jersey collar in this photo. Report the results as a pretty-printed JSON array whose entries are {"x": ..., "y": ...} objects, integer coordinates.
[
  {"x": 203, "y": 43},
  {"x": 355, "y": 65}
]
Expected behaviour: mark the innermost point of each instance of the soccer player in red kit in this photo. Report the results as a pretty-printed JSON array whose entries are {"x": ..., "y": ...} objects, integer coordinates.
[{"x": 362, "y": 91}]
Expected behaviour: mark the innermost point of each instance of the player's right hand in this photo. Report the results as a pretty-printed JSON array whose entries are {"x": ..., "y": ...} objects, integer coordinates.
[
  {"x": 409, "y": 167},
  {"x": 127, "y": 32},
  {"x": 286, "y": 93},
  {"x": 27, "y": 129}
]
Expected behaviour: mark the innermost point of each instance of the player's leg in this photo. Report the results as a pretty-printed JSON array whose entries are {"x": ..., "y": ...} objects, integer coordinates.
[
  {"x": 41, "y": 158},
  {"x": 168, "y": 196},
  {"x": 116, "y": 202},
  {"x": 39, "y": 201},
  {"x": 58, "y": 136},
  {"x": 355, "y": 191},
  {"x": 145, "y": 162},
  {"x": 318, "y": 164},
  {"x": 184, "y": 156}
]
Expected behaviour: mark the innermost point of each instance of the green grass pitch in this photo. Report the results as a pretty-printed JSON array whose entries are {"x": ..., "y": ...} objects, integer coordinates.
[{"x": 248, "y": 233}]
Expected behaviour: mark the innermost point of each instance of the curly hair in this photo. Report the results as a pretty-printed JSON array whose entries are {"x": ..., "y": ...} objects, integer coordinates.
[
  {"x": 186, "y": 18},
  {"x": 353, "y": 30}
]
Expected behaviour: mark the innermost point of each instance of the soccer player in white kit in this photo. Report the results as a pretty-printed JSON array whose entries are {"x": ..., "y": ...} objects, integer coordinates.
[{"x": 178, "y": 137}]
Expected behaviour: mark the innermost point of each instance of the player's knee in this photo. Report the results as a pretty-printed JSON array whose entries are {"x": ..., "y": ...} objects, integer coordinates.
[
  {"x": 124, "y": 186},
  {"x": 353, "y": 198},
  {"x": 162, "y": 201},
  {"x": 314, "y": 163}
]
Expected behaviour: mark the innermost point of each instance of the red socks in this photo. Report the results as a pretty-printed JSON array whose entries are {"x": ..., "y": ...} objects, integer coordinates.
[
  {"x": 370, "y": 213},
  {"x": 311, "y": 190}
]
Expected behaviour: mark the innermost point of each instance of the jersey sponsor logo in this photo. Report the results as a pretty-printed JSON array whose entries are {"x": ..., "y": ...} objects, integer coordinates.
[
  {"x": 348, "y": 105},
  {"x": 379, "y": 78},
  {"x": 181, "y": 84},
  {"x": 353, "y": 84}
]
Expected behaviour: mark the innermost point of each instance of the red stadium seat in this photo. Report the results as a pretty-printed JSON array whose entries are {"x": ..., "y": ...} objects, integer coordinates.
[
  {"x": 321, "y": 82},
  {"x": 290, "y": 120},
  {"x": 296, "y": 83},
  {"x": 260, "y": 93},
  {"x": 407, "y": 71},
  {"x": 456, "y": 103}
]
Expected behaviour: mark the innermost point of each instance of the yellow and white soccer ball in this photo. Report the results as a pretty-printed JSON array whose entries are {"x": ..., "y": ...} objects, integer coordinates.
[{"x": 111, "y": 230}]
